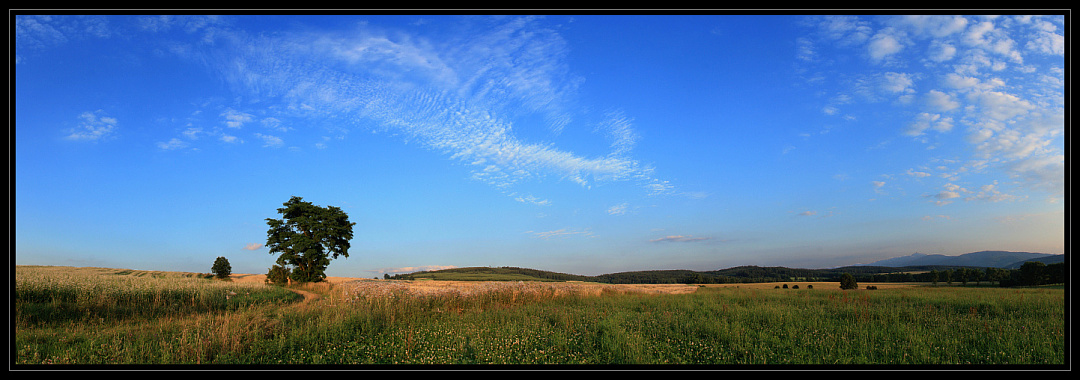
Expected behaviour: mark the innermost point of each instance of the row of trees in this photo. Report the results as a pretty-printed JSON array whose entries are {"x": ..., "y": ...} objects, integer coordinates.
[{"x": 1031, "y": 273}]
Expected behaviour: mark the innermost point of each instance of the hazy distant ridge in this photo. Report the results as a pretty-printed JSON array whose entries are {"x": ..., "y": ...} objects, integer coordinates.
[
  {"x": 885, "y": 270},
  {"x": 982, "y": 259}
]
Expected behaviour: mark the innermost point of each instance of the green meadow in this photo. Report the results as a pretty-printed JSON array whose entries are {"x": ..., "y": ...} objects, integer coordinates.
[{"x": 100, "y": 316}]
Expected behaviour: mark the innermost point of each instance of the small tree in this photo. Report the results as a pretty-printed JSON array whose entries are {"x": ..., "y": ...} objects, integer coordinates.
[
  {"x": 221, "y": 268},
  {"x": 847, "y": 281},
  {"x": 277, "y": 275}
]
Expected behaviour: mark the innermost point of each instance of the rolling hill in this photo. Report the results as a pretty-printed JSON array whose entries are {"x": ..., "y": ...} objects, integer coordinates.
[
  {"x": 981, "y": 259},
  {"x": 893, "y": 269}
]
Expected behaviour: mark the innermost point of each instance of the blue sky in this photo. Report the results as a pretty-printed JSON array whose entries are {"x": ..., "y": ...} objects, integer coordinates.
[{"x": 582, "y": 144}]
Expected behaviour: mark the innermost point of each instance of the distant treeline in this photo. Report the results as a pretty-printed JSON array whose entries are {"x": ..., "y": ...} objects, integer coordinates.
[{"x": 1031, "y": 273}]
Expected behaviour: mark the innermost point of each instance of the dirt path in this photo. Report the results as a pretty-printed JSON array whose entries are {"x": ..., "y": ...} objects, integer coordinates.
[{"x": 308, "y": 296}]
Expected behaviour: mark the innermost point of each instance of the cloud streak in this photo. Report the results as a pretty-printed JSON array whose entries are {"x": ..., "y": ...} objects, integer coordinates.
[
  {"x": 559, "y": 233},
  {"x": 679, "y": 239},
  {"x": 459, "y": 95}
]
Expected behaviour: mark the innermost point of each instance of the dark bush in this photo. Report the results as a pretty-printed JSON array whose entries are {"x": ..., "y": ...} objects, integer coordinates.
[{"x": 278, "y": 275}]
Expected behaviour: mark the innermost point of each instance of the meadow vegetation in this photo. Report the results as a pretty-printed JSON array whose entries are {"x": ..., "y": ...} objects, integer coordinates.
[{"x": 108, "y": 316}]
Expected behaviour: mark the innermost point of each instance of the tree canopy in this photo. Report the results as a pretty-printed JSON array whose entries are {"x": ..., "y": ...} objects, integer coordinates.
[
  {"x": 847, "y": 281},
  {"x": 307, "y": 237},
  {"x": 221, "y": 268}
]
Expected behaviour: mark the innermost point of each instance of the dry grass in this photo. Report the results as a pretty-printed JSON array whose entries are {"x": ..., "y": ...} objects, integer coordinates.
[{"x": 430, "y": 287}]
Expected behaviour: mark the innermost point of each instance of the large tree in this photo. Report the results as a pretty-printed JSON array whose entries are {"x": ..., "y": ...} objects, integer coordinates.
[
  {"x": 307, "y": 237},
  {"x": 221, "y": 268}
]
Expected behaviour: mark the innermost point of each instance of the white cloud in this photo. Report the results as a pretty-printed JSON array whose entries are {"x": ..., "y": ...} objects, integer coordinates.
[
  {"x": 93, "y": 127},
  {"x": 618, "y": 209},
  {"x": 990, "y": 193},
  {"x": 977, "y": 34},
  {"x": 274, "y": 124},
  {"x": 900, "y": 83},
  {"x": 913, "y": 173},
  {"x": 33, "y": 32},
  {"x": 1009, "y": 106},
  {"x": 236, "y": 119},
  {"x": 253, "y": 246},
  {"x": 533, "y": 200},
  {"x": 936, "y": 26},
  {"x": 941, "y": 51},
  {"x": 192, "y": 133},
  {"x": 173, "y": 143},
  {"x": 941, "y": 102},
  {"x": 1048, "y": 42},
  {"x": 270, "y": 141},
  {"x": 924, "y": 121},
  {"x": 1001, "y": 106},
  {"x": 846, "y": 30},
  {"x": 884, "y": 44}
]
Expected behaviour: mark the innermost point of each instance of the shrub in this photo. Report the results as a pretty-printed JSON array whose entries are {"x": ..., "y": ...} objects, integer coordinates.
[
  {"x": 847, "y": 281},
  {"x": 277, "y": 275}
]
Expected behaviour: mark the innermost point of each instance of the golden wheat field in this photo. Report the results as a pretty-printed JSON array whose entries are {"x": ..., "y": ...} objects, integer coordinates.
[{"x": 421, "y": 287}]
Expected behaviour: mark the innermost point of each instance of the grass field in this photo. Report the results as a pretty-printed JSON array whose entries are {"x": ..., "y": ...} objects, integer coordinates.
[{"x": 91, "y": 316}]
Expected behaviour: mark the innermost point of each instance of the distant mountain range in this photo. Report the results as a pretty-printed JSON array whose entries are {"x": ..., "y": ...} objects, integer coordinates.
[{"x": 983, "y": 259}]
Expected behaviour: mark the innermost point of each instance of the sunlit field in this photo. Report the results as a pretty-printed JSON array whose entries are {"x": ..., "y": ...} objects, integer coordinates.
[{"x": 93, "y": 316}]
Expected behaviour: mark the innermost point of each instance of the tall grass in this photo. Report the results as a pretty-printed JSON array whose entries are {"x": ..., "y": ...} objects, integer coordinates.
[
  {"x": 512, "y": 323},
  {"x": 55, "y": 294}
]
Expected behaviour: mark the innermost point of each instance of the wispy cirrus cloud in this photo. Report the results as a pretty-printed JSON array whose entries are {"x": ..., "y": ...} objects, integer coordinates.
[
  {"x": 563, "y": 232},
  {"x": 619, "y": 209},
  {"x": 461, "y": 95},
  {"x": 679, "y": 239}
]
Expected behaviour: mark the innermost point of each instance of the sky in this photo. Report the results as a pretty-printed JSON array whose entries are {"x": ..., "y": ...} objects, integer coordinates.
[{"x": 582, "y": 144}]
